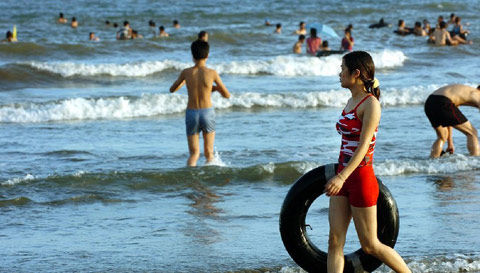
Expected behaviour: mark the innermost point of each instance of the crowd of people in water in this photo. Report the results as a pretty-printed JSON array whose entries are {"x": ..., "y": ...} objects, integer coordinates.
[
  {"x": 438, "y": 35},
  {"x": 315, "y": 46}
]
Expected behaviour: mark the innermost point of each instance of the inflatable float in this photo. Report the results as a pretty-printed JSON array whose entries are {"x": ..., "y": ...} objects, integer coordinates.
[{"x": 293, "y": 227}]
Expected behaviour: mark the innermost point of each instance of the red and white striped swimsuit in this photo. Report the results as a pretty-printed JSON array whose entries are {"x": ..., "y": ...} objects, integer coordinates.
[
  {"x": 350, "y": 127},
  {"x": 361, "y": 187}
]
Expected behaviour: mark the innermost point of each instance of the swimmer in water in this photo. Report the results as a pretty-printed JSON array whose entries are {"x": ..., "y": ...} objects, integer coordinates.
[
  {"x": 200, "y": 116},
  {"x": 162, "y": 32},
  {"x": 176, "y": 24},
  {"x": 313, "y": 42},
  {"x": 402, "y": 29},
  {"x": 9, "y": 37},
  {"x": 442, "y": 37},
  {"x": 61, "y": 19},
  {"x": 278, "y": 28},
  {"x": 324, "y": 46},
  {"x": 418, "y": 30},
  {"x": 74, "y": 23},
  {"x": 302, "y": 30},
  {"x": 297, "y": 47},
  {"x": 92, "y": 37}
]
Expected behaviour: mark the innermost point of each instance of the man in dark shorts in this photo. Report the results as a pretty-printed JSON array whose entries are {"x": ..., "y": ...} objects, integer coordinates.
[{"x": 442, "y": 111}]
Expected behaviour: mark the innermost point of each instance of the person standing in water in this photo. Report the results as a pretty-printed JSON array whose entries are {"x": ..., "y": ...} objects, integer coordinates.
[
  {"x": 297, "y": 47},
  {"x": 354, "y": 190},
  {"x": 441, "y": 108},
  {"x": 313, "y": 42},
  {"x": 200, "y": 115}
]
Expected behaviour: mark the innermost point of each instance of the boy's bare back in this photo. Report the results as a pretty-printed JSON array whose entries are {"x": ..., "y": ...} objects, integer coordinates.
[
  {"x": 460, "y": 94},
  {"x": 199, "y": 80}
]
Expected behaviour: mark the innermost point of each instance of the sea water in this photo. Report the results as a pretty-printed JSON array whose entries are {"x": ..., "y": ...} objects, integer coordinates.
[{"x": 93, "y": 147}]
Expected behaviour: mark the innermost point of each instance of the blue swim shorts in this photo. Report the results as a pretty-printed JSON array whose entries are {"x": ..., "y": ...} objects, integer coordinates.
[{"x": 197, "y": 120}]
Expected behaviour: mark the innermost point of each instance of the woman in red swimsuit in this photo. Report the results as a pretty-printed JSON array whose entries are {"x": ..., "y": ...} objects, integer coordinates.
[{"x": 354, "y": 190}]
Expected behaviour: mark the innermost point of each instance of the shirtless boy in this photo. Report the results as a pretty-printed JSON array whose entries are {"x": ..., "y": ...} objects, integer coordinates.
[
  {"x": 200, "y": 115},
  {"x": 441, "y": 109},
  {"x": 297, "y": 47}
]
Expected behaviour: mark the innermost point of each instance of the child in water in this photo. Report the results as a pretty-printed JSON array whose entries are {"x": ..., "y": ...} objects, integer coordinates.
[{"x": 200, "y": 115}]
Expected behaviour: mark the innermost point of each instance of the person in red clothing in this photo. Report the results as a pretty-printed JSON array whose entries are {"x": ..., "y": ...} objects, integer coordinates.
[
  {"x": 354, "y": 190},
  {"x": 313, "y": 42},
  {"x": 347, "y": 41}
]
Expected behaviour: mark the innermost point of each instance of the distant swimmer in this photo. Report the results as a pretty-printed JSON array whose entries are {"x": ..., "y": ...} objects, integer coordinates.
[
  {"x": 380, "y": 24},
  {"x": 162, "y": 32},
  {"x": 297, "y": 47},
  {"x": 61, "y": 19},
  {"x": 153, "y": 28},
  {"x": 74, "y": 23},
  {"x": 302, "y": 30},
  {"x": 107, "y": 23},
  {"x": 200, "y": 115},
  {"x": 347, "y": 41},
  {"x": 313, "y": 42},
  {"x": 442, "y": 37},
  {"x": 9, "y": 37},
  {"x": 418, "y": 30},
  {"x": 439, "y": 20},
  {"x": 125, "y": 33},
  {"x": 402, "y": 29},
  {"x": 136, "y": 35},
  {"x": 176, "y": 24},
  {"x": 203, "y": 35},
  {"x": 267, "y": 22},
  {"x": 453, "y": 18},
  {"x": 426, "y": 26},
  {"x": 92, "y": 37},
  {"x": 278, "y": 28},
  {"x": 441, "y": 108},
  {"x": 324, "y": 46},
  {"x": 458, "y": 30}
]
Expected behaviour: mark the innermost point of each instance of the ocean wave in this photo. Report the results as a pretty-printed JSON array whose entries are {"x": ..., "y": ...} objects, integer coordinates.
[
  {"x": 18, "y": 180},
  {"x": 281, "y": 66},
  {"x": 150, "y": 105},
  {"x": 282, "y": 172},
  {"x": 444, "y": 165},
  {"x": 80, "y": 199}
]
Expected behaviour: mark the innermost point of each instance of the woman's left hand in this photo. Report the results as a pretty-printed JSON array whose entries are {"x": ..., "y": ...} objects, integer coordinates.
[{"x": 334, "y": 185}]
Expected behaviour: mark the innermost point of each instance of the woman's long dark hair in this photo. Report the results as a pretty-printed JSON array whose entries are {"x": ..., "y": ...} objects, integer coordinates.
[{"x": 362, "y": 61}]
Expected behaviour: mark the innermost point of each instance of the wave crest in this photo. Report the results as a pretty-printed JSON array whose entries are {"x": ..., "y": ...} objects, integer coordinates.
[{"x": 280, "y": 66}]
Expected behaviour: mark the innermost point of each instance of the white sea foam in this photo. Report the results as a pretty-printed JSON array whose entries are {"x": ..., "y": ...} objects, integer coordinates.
[
  {"x": 13, "y": 181},
  {"x": 148, "y": 105},
  {"x": 447, "y": 164},
  {"x": 451, "y": 264},
  {"x": 217, "y": 161},
  {"x": 281, "y": 65}
]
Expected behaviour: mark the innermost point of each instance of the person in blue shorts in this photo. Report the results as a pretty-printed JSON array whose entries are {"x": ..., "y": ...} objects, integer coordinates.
[{"x": 200, "y": 115}]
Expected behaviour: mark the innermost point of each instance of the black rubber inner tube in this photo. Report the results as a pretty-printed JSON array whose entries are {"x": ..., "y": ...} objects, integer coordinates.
[{"x": 293, "y": 228}]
